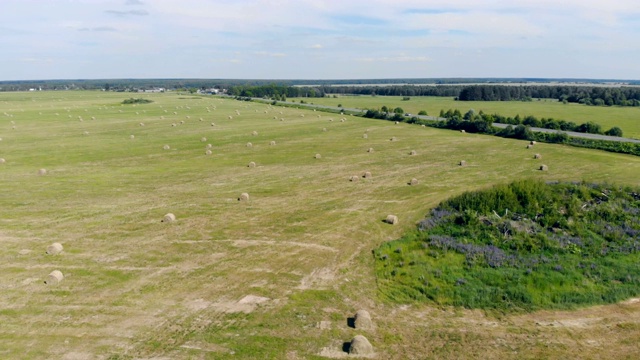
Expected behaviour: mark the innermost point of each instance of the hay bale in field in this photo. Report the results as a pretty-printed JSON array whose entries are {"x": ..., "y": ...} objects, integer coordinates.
[
  {"x": 318, "y": 156},
  {"x": 54, "y": 249},
  {"x": 252, "y": 164},
  {"x": 230, "y": 117},
  {"x": 341, "y": 120},
  {"x": 187, "y": 117},
  {"x": 203, "y": 139},
  {"x": 397, "y": 123},
  {"x": 181, "y": 122},
  {"x": 2, "y": 160},
  {"x": 462, "y": 131},
  {"x": 423, "y": 125},
  {"x": 365, "y": 136},
  {"x": 169, "y": 217},
  {"x": 201, "y": 119},
  {"x": 55, "y": 277},
  {"x": 208, "y": 152},
  {"x": 532, "y": 142},
  {"x": 254, "y": 133},
  {"x": 370, "y": 150},
  {"x": 272, "y": 143},
  {"x": 393, "y": 139},
  {"x": 360, "y": 346},
  {"x": 249, "y": 144},
  {"x": 537, "y": 156},
  {"x": 132, "y": 137},
  {"x": 413, "y": 152},
  {"x": 174, "y": 124},
  {"x": 354, "y": 178},
  {"x": 529, "y": 146},
  {"x": 209, "y": 146},
  {"x": 391, "y": 219},
  {"x": 166, "y": 147},
  {"x": 281, "y": 119},
  {"x": 367, "y": 175},
  {"x": 362, "y": 320},
  {"x": 213, "y": 124},
  {"x": 462, "y": 163},
  {"x": 544, "y": 168},
  {"x": 42, "y": 172},
  {"x": 243, "y": 197},
  {"x": 141, "y": 124},
  {"x": 85, "y": 133},
  {"x": 413, "y": 181}
]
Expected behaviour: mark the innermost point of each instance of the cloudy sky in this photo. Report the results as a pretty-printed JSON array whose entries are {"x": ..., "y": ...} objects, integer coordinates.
[{"x": 318, "y": 39}]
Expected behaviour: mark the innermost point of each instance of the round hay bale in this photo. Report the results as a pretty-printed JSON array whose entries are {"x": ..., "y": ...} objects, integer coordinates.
[
  {"x": 544, "y": 168},
  {"x": 370, "y": 150},
  {"x": 393, "y": 139},
  {"x": 423, "y": 125},
  {"x": 243, "y": 197},
  {"x": 213, "y": 124},
  {"x": 249, "y": 144},
  {"x": 174, "y": 124},
  {"x": 181, "y": 122},
  {"x": 230, "y": 117},
  {"x": 341, "y": 120},
  {"x": 318, "y": 156},
  {"x": 532, "y": 142},
  {"x": 397, "y": 123},
  {"x": 169, "y": 218},
  {"x": 462, "y": 131},
  {"x": 208, "y": 152},
  {"x": 209, "y": 146},
  {"x": 360, "y": 346},
  {"x": 366, "y": 175},
  {"x": 2, "y": 160},
  {"x": 254, "y": 133},
  {"x": 537, "y": 156},
  {"x": 362, "y": 320},
  {"x": 54, "y": 249},
  {"x": 272, "y": 143},
  {"x": 413, "y": 152},
  {"x": 203, "y": 139},
  {"x": 166, "y": 147},
  {"x": 54, "y": 277},
  {"x": 529, "y": 146},
  {"x": 252, "y": 164},
  {"x": 365, "y": 136},
  {"x": 413, "y": 181},
  {"x": 141, "y": 124},
  {"x": 391, "y": 219},
  {"x": 462, "y": 163},
  {"x": 42, "y": 172},
  {"x": 324, "y": 129},
  {"x": 85, "y": 133},
  {"x": 354, "y": 178}
]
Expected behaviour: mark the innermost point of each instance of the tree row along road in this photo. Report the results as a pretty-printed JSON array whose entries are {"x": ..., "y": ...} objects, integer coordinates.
[{"x": 426, "y": 117}]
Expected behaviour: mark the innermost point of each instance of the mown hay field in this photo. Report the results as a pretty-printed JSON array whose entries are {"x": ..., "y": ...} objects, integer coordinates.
[
  {"x": 626, "y": 118},
  {"x": 276, "y": 276}
]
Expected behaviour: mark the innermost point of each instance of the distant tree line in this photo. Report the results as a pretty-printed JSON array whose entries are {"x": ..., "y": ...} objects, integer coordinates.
[
  {"x": 396, "y": 90},
  {"x": 588, "y": 95},
  {"x": 274, "y": 91}
]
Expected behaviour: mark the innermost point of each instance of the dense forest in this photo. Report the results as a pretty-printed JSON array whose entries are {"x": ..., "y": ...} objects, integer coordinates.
[
  {"x": 395, "y": 90},
  {"x": 588, "y": 95}
]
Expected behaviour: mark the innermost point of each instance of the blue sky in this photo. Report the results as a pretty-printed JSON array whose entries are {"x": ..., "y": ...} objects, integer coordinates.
[{"x": 318, "y": 39}]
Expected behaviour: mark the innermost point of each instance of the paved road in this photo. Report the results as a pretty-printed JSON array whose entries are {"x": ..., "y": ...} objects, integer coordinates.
[{"x": 498, "y": 125}]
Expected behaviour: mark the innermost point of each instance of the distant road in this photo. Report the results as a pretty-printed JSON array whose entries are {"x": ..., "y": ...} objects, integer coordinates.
[{"x": 498, "y": 125}]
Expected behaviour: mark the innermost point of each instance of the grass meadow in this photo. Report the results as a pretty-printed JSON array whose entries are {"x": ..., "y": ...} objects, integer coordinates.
[
  {"x": 627, "y": 118},
  {"x": 275, "y": 277}
]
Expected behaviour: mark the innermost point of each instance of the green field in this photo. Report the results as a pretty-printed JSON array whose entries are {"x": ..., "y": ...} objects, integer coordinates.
[
  {"x": 275, "y": 277},
  {"x": 627, "y": 118}
]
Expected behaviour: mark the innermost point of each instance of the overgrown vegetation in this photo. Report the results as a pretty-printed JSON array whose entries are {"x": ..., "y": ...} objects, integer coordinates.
[
  {"x": 523, "y": 246},
  {"x": 136, "y": 101}
]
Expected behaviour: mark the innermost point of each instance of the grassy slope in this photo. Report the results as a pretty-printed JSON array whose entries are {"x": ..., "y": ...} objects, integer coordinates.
[
  {"x": 627, "y": 118},
  {"x": 138, "y": 287}
]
